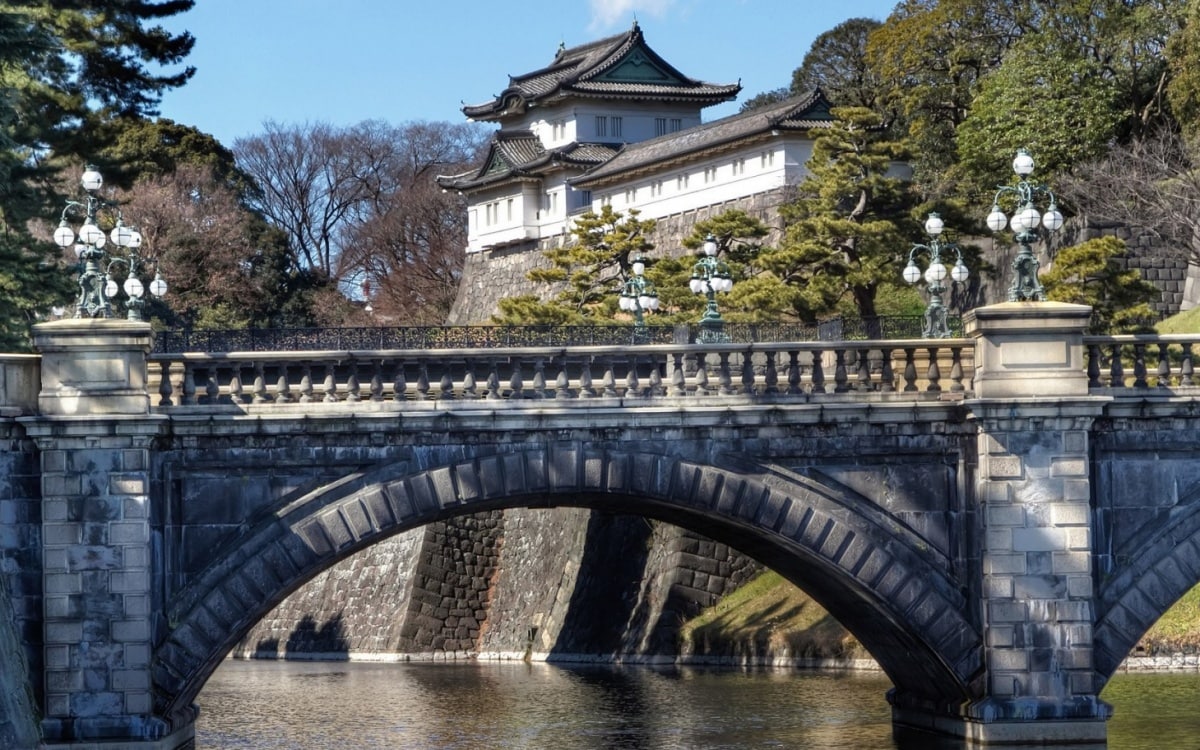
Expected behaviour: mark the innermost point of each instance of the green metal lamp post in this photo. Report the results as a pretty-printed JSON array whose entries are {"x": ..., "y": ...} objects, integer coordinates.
[
  {"x": 1024, "y": 221},
  {"x": 96, "y": 286},
  {"x": 709, "y": 276},
  {"x": 935, "y": 326},
  {"x": 638, "y": 296}
]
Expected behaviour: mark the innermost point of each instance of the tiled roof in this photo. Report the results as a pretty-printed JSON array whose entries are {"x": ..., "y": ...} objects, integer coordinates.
[
  {"x": 798, "y": 113},
  {"x": 621, "y": 66},
  {"x": 519, "y": 153}
]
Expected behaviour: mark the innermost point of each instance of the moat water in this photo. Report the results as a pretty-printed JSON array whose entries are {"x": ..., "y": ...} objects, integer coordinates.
[{"x": 267, "y": 705}]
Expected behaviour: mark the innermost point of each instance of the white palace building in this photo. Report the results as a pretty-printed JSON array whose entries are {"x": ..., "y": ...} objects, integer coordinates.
[{"x": 613, "y": 123}]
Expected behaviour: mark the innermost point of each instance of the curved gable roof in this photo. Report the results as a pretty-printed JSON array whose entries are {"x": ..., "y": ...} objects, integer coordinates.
[
  {"x": 616, "y": 67},
  {"x": 516, "y": 154}
]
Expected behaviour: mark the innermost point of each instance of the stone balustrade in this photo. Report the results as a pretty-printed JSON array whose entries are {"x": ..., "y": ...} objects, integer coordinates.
[
  {"x": 904, "y": 369},
  {"x": 1135, "y": 364}
]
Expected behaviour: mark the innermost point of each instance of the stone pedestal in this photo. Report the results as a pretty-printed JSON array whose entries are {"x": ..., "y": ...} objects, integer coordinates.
[
  {"x": 1028, "y": 349},
  {"x": 94, "y": 437}
]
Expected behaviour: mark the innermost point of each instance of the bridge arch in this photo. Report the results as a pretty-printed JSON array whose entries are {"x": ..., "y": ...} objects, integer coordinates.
[
  {"x": 874, "y": 577},
  {"x": 1166, "y": 566}
]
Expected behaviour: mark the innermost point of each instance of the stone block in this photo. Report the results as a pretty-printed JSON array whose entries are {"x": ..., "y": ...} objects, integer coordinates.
[
  {"x": 130, "y": 679},
  {"x": 1071, "y": 514},
  {"x": 1007, "y": 611},
  {"x": 1073, "y": 611},
  {"x": 1002, "y": 564},
  {"x": 998, "y": 587},
  {"x": 62, "y": 583},
  {"x": 1005, "y": 515},
  {"x": 1000, "y": 636},
  {"x": 62, "y": 533},
  {"x": 69, "y": 632},
  {"x": 139, "y": 703},
  {"x": 999, "y": 540},
  {"x": 1039, "y": 539},
  {"x": 1072, "y": 562},
  {"x": 130, "y": 631},
  {"x": 129, "y": 532}
]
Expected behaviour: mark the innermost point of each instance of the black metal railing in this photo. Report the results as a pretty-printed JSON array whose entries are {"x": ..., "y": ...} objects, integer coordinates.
[{"x": 493, "y": 337}]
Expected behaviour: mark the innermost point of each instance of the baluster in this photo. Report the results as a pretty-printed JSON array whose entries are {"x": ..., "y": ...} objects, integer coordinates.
[
  {"x": 516, "y": 384},
  {"x": 678, "y": 380},
  {"x": 1116, "y": 369},
  {"x": 656, "y": 385},
  {"x": 956, "y": 370},
  {"x": 399, "y": 383},
  {"x": 329, "y": 384},
  {"x": 353, "y": 389},
  {"x": 283, "y": 393},
  {"x": 1185, "y": 368},
  {"x": 887, "y": 378},
  {"x": 725, "y": 375},
  {"x": 446, "y": 386},
  {"x": 864, "y": 369},
  {"x": 468, "y": 387},
  {"x": 910, "y": 370},
  {"x": 702, "y": 375},
  {"x": 1093, "y": 367},
  {"x": 934, "y": 373},
  {"x": 493, "y": 380},
  {"x": 189, "y": 384},
  {"x": 260, "y": 383},
  {"x": 169, "y": 393},
  {"x": 539, "y": 378},
  {"x": 235, "y": 384},
  {"x": 1163, "y": 376},
  {"x": 818, "y": 371},
  {"x": 632, "y": 385},
  {"x": 562, "y": 383},
  {"x": 748, "y": 373},
  {"x": 586, "y": 389},
  {"x": 1139, "y": 366},
  {"x": 306, "y": 386},
  {"x": 423, "y": 381},
  {"x": 377, "y": 380},
  {"x": 609, "y": 383},
  {"x": 771, "y": 375},
  {"x": 794, "y": 373},
  {"x": 212, "y": 389},
  {"x": 839, "y": 371}
]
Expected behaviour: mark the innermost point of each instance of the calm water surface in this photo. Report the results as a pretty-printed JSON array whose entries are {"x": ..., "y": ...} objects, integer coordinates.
[{"x": 263, "y": 705}]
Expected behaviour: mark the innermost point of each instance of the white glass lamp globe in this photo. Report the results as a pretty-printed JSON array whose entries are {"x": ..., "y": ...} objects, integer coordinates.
[
  {"x": 158, "y": 287},
  {"x": 110, "y": 288},
  {"x": 912, "y": 274},
  {"x": 1030, "y": 216},
  {"x": 64, "y": 236},
  {"x": 135, "y": 239},
  {"x": 997, "y": 219},
  {"x": 1023, "y": 163},
  {"x": 121, "y": 235},
  {"x": 726, "y": 283},
  {"x": 935, "y": 273},
  {"x": 639, "y": 267},
  {"x": 1052, "y": 219},
  {"x": 696, "y": 285},
  {"x": 959, "y": 273},
  {"x": 134, "y": 288},
  {"x": 90, "y": 234},
  {"x": 710, "y": 247},
  {"x": 92, "y": 179},
  {"x": 623, "y": 303},
  {"x": 934, "y": 225},
  {"x": 646, "y": 302}
]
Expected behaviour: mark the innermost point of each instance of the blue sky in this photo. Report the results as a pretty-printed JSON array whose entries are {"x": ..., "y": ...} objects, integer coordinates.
[{"x": 296, "y": 61}]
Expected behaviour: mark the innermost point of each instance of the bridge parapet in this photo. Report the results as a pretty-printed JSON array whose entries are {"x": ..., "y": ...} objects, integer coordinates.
[{"x": 904, "y": 369}]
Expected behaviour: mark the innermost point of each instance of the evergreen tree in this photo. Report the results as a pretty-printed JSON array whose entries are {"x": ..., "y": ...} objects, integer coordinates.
[
  {"x": 848, "y": 230},
  {"x": 1091, "y": 273},
  {"x": 589, "y": 271}
]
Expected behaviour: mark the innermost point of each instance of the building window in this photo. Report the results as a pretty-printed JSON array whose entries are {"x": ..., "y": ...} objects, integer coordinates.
[
  {"x": 739, "y": 166},
  {"x": 616, "y": 127},
  {"x": 768, "y": 159},
  {"x": 559, "y": 129},
  {"x": 660, "y": 126},
  {"x": 681, "y": 183},
  {"x": 508, "y": 209},
  {"x": 601, "y": 126},
  {"x": 710, "y": 175},
  {"x": 606, "y": 200},
  {"x": 630, "y": 196},
  {"x": 676, "y": 124},
  {"x": 656, "y": 188}
]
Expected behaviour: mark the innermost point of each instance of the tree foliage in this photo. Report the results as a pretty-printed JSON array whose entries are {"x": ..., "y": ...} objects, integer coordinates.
[
  {"x": 589, "y": 271},
  {"x": 1091, "y": 273},
  {"x": 848, "y": 228},
  {"x": 837, "y": 64}
]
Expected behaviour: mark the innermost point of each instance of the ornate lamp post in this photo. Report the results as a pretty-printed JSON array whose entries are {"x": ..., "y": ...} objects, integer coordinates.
[
  {"x": 1024, "y": 221},
  {"x": 96, "y": 285},
  {"x": 935, "y": 276},
  {"x": 709, "y": 276},
  {"x": 638, "y": 296}
]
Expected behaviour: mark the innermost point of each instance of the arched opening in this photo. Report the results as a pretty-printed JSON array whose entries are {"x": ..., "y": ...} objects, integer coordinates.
[{"x": 869, "y": 575}]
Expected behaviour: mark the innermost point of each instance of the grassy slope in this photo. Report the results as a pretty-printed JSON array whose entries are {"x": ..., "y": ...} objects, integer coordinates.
[{"x": 770, "y": 617}]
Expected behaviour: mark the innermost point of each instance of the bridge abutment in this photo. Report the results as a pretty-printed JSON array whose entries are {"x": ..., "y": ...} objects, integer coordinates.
[{"x": 94, "y": 437}]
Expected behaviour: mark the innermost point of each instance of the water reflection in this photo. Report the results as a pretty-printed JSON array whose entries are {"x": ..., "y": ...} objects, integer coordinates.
[{"x": 275, "y": 705}]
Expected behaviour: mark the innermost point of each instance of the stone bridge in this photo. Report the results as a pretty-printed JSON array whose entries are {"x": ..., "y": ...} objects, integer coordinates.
[{"x": 997, "y": 519}]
